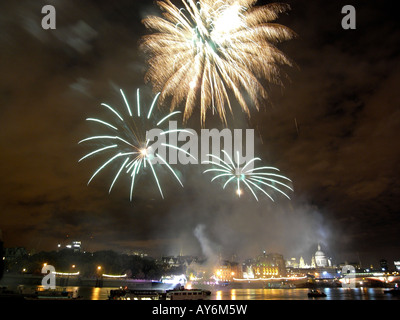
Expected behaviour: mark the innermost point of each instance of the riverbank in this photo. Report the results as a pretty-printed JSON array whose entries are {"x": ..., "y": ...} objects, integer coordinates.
[{"x": 13, "y": 280}]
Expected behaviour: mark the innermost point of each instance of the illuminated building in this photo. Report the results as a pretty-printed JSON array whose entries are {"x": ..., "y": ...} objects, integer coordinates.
[
  {"x": 302, "y": 264},
  {"x": 320, "y": 265},
  {"x": 178, "y": 261},
  {"x": 313, "y": 265},
  {"x": 137, "y": 253},
  {"x": 75, "y": 246},
  {"x": 320, "y": 258},
  {"x": 397, "y": 265},
  {"x": 384, "y": 265},
  {"x": 292, "y": 263},
  {"x": 267, "y": 265},
  {"x": 227, "y": 270}
]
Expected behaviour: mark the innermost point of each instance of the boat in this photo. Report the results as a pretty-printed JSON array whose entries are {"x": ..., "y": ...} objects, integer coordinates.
[
  {"x": 315, "y": 293},
  {"x": 179, "y": 293},
  {"x": 129, "y": 294},
  {"x": 53, "y": 294},
  {"x": 186, "y": 294}
]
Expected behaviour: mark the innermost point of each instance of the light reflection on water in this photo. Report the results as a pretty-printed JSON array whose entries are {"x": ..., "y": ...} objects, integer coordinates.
[
  {"x": 301, "y": 294},
  {"x": 96, "y": 294},
  {"x": 90, "y": 293}
]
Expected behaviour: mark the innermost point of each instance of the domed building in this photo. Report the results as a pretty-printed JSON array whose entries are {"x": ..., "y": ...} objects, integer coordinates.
[{"x": 320, "y": 259}]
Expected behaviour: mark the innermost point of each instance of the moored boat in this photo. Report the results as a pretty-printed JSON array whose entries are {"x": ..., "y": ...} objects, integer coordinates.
[
  {"x": 187, "y": 294},
  {"x": 53, "y": 294},
  {"x": 129, "y": 294},
  {"x": 174, "y": 294},
  {"x": 315, "y": 293}
]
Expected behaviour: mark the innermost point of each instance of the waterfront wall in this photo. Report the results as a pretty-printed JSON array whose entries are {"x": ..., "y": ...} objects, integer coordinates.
[{"x": 13, "y": 280}]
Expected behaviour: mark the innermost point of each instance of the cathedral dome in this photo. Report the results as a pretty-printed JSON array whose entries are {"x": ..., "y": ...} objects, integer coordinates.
[
  {"x": 319, "y": 253},
  {"x": 320, "y": 258}
]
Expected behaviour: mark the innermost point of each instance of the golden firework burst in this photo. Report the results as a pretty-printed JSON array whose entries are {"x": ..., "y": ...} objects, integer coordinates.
[{"x": 210, "y": 49}]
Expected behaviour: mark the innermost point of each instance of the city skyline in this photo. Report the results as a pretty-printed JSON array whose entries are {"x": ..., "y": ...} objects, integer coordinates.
[
  {"x": 333, "y": 130},
  {"x": 303, "y": 259}
]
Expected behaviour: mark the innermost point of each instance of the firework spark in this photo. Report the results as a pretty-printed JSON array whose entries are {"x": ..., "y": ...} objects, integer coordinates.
[
  {"x": 215, "y": 48},
  {"x": 128, "y": 143},
  {"x": 254, "y": 179}
]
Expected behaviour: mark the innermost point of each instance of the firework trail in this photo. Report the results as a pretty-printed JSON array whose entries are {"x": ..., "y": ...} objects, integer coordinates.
[
  {"x": 255, "y": 179},
  {"x": 129, "y": 145},
  {"x": 214, "y": 48}
]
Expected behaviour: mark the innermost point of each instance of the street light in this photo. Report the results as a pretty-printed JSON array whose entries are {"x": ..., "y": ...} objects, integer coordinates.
[{"x": 99, "y": 281}]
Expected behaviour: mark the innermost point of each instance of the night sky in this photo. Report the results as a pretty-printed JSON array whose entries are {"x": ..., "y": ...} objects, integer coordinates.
[{"x": 343, "y": 157}]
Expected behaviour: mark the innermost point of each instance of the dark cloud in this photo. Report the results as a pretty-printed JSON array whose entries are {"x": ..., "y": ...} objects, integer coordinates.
[{"x": 333, "y": 129}]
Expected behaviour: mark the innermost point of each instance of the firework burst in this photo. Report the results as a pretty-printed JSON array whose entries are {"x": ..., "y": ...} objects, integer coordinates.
[
  {"x": 213, "y": 48},
  {"x": 129, "y": 145},
  {"x": 255, "y": 179}
]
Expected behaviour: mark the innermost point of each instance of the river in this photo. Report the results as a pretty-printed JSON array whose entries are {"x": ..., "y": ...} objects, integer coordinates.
[{"x": 90, "y": 293}]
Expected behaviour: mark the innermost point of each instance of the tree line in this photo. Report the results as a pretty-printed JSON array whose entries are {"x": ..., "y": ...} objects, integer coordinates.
[{"x": 90, "y": 264}]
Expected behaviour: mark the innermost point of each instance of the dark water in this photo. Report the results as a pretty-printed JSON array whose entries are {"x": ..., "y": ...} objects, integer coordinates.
[
  {"x": 301, "y": 294},
  {"x": 89, "y": 293}
]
